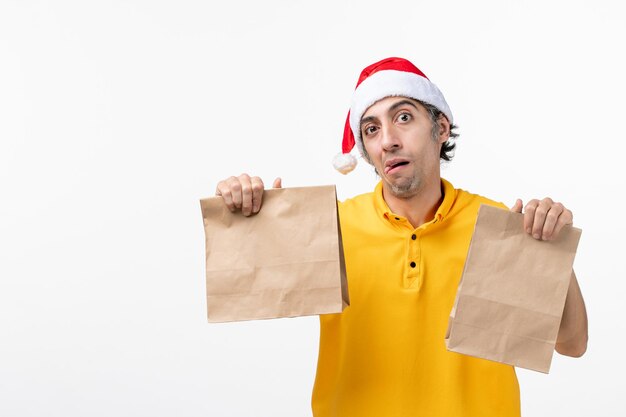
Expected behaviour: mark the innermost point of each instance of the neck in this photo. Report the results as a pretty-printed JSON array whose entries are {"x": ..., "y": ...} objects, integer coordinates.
[{"x": 419, "y": 208}]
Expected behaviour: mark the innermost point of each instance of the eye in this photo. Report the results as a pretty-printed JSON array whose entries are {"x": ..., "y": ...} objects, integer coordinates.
[
  {"x": 404, "y": 117},
  {"x": 370, "y": 130}
]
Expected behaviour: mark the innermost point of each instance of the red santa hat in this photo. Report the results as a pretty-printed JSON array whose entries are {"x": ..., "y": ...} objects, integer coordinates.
[{"x": 386, "y": 78}]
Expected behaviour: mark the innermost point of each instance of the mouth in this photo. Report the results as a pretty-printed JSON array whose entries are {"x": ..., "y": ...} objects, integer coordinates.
[{"x": 394, "y": 164}]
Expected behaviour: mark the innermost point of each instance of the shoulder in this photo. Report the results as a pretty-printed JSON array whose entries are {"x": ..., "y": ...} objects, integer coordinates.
[
  {"x": 466, "y": 201},
  {"x": 358, "y": 209},
  {"x": 358, "y": 202},
  {"x": 461, "y": 202},
  {"x": 359, "y": 212},
  {"x": 460, "y": 210}
]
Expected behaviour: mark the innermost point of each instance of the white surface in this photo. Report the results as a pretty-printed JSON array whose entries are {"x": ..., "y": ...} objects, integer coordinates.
[{"x": 117, "y": 116}]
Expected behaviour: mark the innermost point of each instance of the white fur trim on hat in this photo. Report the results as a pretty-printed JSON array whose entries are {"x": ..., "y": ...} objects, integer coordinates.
[{"x": 390, "y": 83}]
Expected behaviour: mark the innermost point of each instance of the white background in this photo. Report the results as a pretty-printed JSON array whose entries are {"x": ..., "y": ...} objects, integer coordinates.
[{"x": 117, "y": 116}]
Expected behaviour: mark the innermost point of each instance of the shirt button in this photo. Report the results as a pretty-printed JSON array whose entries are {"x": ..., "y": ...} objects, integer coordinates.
[
  {"x": 413, "y": 237},
  {"x": 412, "y": 264}
]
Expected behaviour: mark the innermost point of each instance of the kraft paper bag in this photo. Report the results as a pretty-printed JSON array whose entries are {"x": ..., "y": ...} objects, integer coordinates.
[
  {"x": 512, "y": 293},
  {"x": 285, "y": 261}
]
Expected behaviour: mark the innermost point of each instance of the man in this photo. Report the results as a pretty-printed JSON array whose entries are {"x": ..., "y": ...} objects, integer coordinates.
[{"x": 405, "y": 246}]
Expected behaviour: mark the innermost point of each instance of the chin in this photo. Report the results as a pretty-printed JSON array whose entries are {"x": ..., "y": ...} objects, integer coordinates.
[{"x": 406, "y": 189}]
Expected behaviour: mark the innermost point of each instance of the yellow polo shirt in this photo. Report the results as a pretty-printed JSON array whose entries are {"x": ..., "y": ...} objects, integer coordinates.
[{"x": 385, "y": 355}]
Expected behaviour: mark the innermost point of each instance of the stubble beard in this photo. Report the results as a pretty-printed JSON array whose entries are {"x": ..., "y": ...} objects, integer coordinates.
[{"x": 408, "y": 188}]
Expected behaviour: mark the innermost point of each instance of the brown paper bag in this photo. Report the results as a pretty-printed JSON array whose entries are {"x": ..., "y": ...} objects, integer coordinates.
[
  {"x": 512, "y": 293},
  {"x": 285, "y": 261}
]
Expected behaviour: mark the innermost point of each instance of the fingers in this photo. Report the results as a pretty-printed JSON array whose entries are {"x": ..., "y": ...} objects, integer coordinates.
[
  {"x": 554, "y": 212},
  {"x": 529, "y": 215},
  {"x": 565, "y": 219},
  {"x": 278, "y": 183},
  {"x": 257, "y": 194},
  {"x": 537, "y": 213},
  {"x": 225, "y": 190},
  {"x": 242, "y": 192},
  {"x": 517, "y": 207},
  {"x": 544, "y": 219},
  {"x": 246, "y": 194}
]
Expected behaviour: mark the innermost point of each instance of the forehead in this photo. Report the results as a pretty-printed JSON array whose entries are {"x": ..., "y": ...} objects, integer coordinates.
[{"x": 384, "y": 104}]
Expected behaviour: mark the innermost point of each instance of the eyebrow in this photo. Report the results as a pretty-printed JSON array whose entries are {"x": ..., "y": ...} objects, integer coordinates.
[
  {"x": 400, "y": 104},
  {"x": 389, "y": 110}
]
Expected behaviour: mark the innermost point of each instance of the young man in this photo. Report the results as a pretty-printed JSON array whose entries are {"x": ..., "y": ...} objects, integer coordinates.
[{"x": 405, "y": 246}]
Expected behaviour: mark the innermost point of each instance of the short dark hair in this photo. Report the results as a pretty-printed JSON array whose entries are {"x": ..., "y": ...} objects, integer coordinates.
[{"x": 447, "y": 148}]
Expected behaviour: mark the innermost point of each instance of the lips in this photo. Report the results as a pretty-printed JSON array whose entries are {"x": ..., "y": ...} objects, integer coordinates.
[{"x": 392, "y": 164}]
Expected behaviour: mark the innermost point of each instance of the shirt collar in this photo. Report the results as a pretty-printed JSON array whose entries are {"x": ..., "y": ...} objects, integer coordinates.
[{"x": 449, "y": 195}]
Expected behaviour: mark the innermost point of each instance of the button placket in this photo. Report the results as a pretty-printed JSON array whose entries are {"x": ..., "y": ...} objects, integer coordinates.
[{"x": 413, "y": 260}]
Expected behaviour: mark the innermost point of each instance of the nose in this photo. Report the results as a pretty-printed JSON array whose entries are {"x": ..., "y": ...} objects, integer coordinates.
[{"x": 390, "y": 138}]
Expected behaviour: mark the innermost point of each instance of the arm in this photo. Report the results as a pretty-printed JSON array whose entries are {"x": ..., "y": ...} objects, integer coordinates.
[
  {"x": 544, "y": 220},
  {"x": 572, "y": 337}
]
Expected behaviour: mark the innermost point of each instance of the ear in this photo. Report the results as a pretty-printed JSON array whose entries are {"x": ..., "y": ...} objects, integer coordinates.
[{"x": 444, "y": 128}]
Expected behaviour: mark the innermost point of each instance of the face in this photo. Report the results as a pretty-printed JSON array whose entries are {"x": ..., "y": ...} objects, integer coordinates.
[{"x": 397, "y": 135}]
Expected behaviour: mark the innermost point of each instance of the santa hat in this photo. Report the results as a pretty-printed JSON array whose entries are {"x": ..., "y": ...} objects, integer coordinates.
[{"x": 386, "y": 78}]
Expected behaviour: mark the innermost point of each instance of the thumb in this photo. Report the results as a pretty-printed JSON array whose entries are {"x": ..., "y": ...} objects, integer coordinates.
[
  {"x": 517, "y": 207},
  {"x": 278, "y": 183}
]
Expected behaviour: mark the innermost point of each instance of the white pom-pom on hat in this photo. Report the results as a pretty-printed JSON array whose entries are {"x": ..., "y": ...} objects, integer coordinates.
[
  {"x": 344, "y": 162},
  {"x": 386, "y": 78}
]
